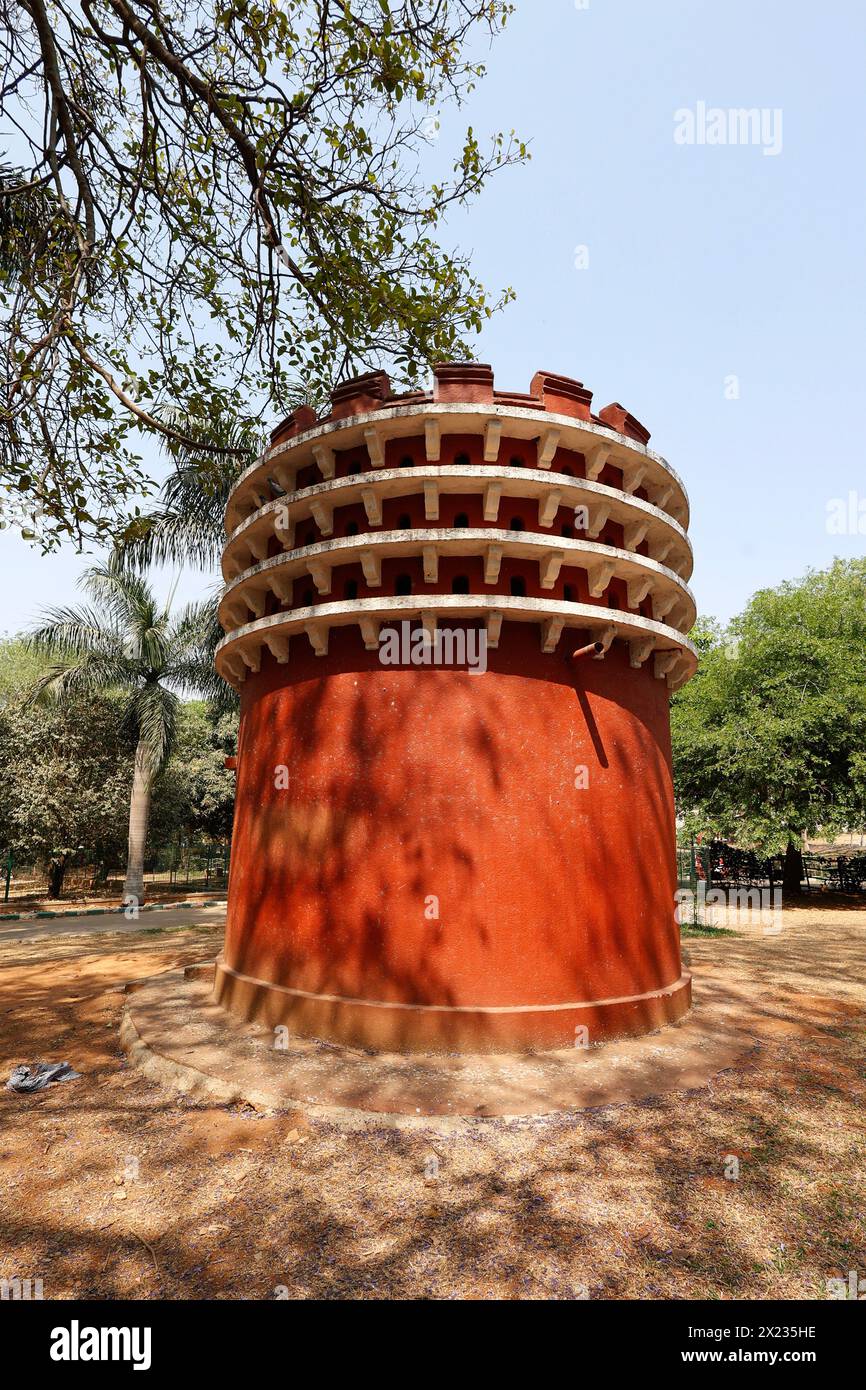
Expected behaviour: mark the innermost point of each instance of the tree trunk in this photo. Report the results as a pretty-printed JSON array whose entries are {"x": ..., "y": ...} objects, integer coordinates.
[
  {"x": 139, "y": 814},
  {"x": 56, "y": 875},
  {"x": 792, "y": 873}
]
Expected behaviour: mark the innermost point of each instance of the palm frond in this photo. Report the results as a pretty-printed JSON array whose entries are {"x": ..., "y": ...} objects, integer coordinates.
[
  {"x": 187, "y": 527},
  {"x": 134, "y": 609},
  {"x": 94, "y": 674},
  {"x": 194, "y": 637},
  {"x": 73, "y": 632},
  {"x": 31, "y": 223},
  {"x": 151, "y": 718}
]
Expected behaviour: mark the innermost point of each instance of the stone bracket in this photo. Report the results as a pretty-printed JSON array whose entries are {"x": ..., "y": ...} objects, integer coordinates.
[
  {"x": 258, "y": 547},
  {"x": 633, "y": 533},
  {"x": 370, "y": 633},
  {"x": 255, "y": 601},
  {"x": 633, "y": 479},
  {"x": 638, "y": 590},
  {"x": 323, "y": 517},
  {"x": 492, "y": 436},
  {"x": 371, "y": 564},
  {"x": 547, "y": 447},
  {"x": 372, "y": 505},
  {"x": 549, "y": 567},
  {"x": 605, "y": 637},
  {"x": 551, "y": 631},
  {"x": 639, "y": 651},
  {"x": 492, "y": 494},
  {"x": 430, "y": 556},
  {"x": 596, "y": 458},
  {"x": 318, "y": 634},
  {"x": 548, "y": 506},
  {"x": 492, "y": 563},
  {"x": 375, "y": 448},
  {"x": 321, "y": 574},
  {"x": 665, "y": 662},
  {"x": 600, "y": 576},
  {"x": 282, "y": 585},
  {"x": 432, "y": 439},
  {"x": 325, "y": 460},
  {"x": 598, "y": 519},
  {"x": 278, "y": 646},
  {"x": 493, "y": 627}
]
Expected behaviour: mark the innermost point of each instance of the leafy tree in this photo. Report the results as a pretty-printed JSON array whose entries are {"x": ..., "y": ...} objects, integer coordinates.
[
  {"x": 19, "y": 668},
  {"x": 769, "y": 735},
  {"x": 66, "y": 783},
  {"x": 64, "y": 794},
  {"x": 129, "y": 643},
  {"x": 212, "y": 201}
]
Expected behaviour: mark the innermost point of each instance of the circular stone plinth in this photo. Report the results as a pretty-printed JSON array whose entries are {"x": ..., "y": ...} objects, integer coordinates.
[{"x": 181, "y": 1038}]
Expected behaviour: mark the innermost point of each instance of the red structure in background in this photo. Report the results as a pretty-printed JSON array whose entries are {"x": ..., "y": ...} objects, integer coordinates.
[{"x": 455, "y": 619}]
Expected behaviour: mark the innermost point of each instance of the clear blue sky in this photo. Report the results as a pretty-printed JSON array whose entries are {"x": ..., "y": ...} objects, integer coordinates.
[{"x": 705, "y": 262}]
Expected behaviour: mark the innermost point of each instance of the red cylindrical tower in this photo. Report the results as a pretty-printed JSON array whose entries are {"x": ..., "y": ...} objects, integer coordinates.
[{"x": 455, "y": 825}]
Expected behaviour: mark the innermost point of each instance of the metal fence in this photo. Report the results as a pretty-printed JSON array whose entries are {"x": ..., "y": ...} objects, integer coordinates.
[
  {"x": 723, "y": 866},
  {"x": 192, "y": 866}
]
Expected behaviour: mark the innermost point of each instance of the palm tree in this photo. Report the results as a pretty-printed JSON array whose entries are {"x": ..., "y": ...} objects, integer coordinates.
[
  {"x": 186, "y": 528},
  {"x": 127, "y": 641}
]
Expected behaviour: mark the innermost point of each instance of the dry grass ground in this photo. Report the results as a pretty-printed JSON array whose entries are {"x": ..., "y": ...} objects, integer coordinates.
[{"x": 110, "y": 1188}]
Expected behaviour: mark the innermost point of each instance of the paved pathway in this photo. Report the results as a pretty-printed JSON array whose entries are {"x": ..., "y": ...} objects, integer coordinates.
[{"x": 209, "y": 914}]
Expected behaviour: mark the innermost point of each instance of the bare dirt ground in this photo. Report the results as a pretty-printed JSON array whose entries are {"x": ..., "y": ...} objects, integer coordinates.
[
  {"x": 80, "y": 902},
  {"x": 111, "y": 1188}
]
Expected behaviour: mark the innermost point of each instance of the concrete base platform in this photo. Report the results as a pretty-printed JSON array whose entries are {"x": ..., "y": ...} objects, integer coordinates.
[
  {"x": 426, "y": 1028},
  {"x": 181, "y": 1038}
]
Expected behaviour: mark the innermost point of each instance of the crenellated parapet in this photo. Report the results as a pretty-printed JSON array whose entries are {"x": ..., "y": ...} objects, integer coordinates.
[{"x": 465, "y": 503}]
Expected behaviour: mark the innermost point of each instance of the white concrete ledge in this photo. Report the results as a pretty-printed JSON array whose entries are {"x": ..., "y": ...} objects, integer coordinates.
[
  {"x": 674, "y": 656},
  {"x": 641, "y": 466},
  {"x": 643, "y": 575},
  {"x": 666, "y": 537}
]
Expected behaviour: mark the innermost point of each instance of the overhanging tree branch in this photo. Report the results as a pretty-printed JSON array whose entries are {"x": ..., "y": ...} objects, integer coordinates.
[{"x": 211, "y": 203}]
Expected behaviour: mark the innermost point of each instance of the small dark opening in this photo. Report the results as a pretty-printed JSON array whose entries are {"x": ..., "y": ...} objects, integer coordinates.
[
  {"x": 404, "y": 584},
  {"x": 461, "y": 519},
  {"x": 516, "y": 463},
  {"x": 462, "y": 461},
  {"x": 460, "y": 584},
  {"x": 518, "y": 586},
  {"x": 352, "y": 528},
  {"x": 350, "y": 589},
  {"x": 310, "y": 538},
  {"x": 612, "y": 601},
  {"x": 353, "y": 468},
  {"x": 516, "y": 524},
  {"x": 307, "y": 601},
  {"x": 406, "y": 462},
  {"x": 568, "y": 593},
  {"x": 567, "y": 530},
  {"x": 405, "y": 522}
]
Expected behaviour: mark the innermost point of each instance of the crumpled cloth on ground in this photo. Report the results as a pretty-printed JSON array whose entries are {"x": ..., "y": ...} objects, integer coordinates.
[{"x": 39, "y": 1075}]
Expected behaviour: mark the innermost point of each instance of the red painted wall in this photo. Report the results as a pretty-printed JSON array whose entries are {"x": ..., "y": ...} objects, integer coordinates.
[{"x": 405, "y": 783}]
